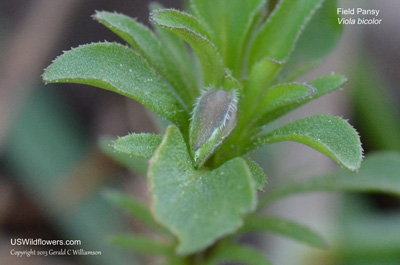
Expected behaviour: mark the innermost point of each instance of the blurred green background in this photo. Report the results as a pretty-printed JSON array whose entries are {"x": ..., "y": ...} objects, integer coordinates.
[{"x": 53, "y": 174}]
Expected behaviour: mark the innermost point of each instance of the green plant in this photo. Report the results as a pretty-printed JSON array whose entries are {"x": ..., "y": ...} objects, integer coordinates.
[{"x": 218, "y": 99}]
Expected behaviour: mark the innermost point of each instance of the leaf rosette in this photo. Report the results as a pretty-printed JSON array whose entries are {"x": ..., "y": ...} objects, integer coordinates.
[{"x": 216, "y": 75}]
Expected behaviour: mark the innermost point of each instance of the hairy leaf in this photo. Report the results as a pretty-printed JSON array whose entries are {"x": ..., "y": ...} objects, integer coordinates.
[
  {"x": 318, "y": 39},
  {"x": 136, "y": 209},
  {"x": 282, "y": 96},
  {"x": 137, "y": 165},
  {"x": 119, "y": 69},
  {"x": 236, "y": 253},
  {"x": 259, "y": 177},
  {"x": 144, "y": 41},
  {"x": 319, "y": 87},
  {"x": 261, "y": 76},
  {"x": 199, "y": 207},
  {"x": 329, "y": 135},
  {"x": 143, "y": 245},
  {"x": 193, "y": 32},
  {"x": 380, "y": 172},
  {"x": 255, "y": 223},
  {"x": 229, "y": 22},
  {"x": 141, "y": 145},
  {"x": 177, "y": 49},
  {"x": 231, "y": 84},
  {"x": 279, "y": 34}
]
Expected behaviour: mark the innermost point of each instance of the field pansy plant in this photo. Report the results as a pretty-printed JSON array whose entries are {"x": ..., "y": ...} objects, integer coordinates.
[{"x": 219, "y": 73}]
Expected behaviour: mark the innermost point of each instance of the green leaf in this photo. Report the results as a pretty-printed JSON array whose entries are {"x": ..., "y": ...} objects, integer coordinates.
[
  {"x": 193, "y": 32},
  {"x": 229, "y": 22},
  {"x": 318, "y": 39},
  {"x": 141, "y": 145},
  {"x": 259, "y": 177},
  {"x": 329, "y": 135},
  {"x": 261, "y": 76},
  {"x": 144, "y": 41},
  {"x": 177, "y": 49},
  {"x": 199, "y": 207},
  {"x": 283, "y": 227},
  {"x": 136, "y": 209},
  {"x": 231, "y": 84},
  {"x": 119, "y": 69},
  {"x": 321, "y": 86},
  {"x": 236, "y": 253},
  {"x": 380, "y": 172},
  {"x": 277, "y": 37},
  {"x": 137, "y": 165},
  {"x": 142, "y": 245},
  {"x": 283, "y": 95}
]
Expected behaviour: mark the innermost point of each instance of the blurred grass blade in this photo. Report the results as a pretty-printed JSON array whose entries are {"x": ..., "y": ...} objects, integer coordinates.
[
  {"x": 142, "y": 245},
  {"x": 380, "y": 172},
  {"x": 377, "y": 116},
  {"x": 117, "y": 68},
  {"x": 236, "y": 253},
  {"x": 176, "y": 260},
  {"x": 259, "y": 176},
  {"x": 192, "y": 31},
  {"x": 136, "y": 165},
  {"x": 143, "y": 40},
  {"x": 48, "y": 152},
  {"x": 330, "y": 135},
  {"x": 318, "y": 39},
  {"x": 229, "y": 22},
  {"x": 136, "y": 209},
  {"x": 277, "y": 37},
  {"x": 142, "y": 145},
  {"x": 368, "y": 237},
  {"x": 300, "y": 233},
  {"x": 322, "y": 86}
]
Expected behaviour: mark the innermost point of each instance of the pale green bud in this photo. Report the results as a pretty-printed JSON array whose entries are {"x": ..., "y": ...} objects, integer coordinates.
[{"x": 213, "y": 119}]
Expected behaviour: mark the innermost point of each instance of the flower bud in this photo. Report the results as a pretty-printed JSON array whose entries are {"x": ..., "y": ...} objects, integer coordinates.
[{"x": 213, "y": 119}]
